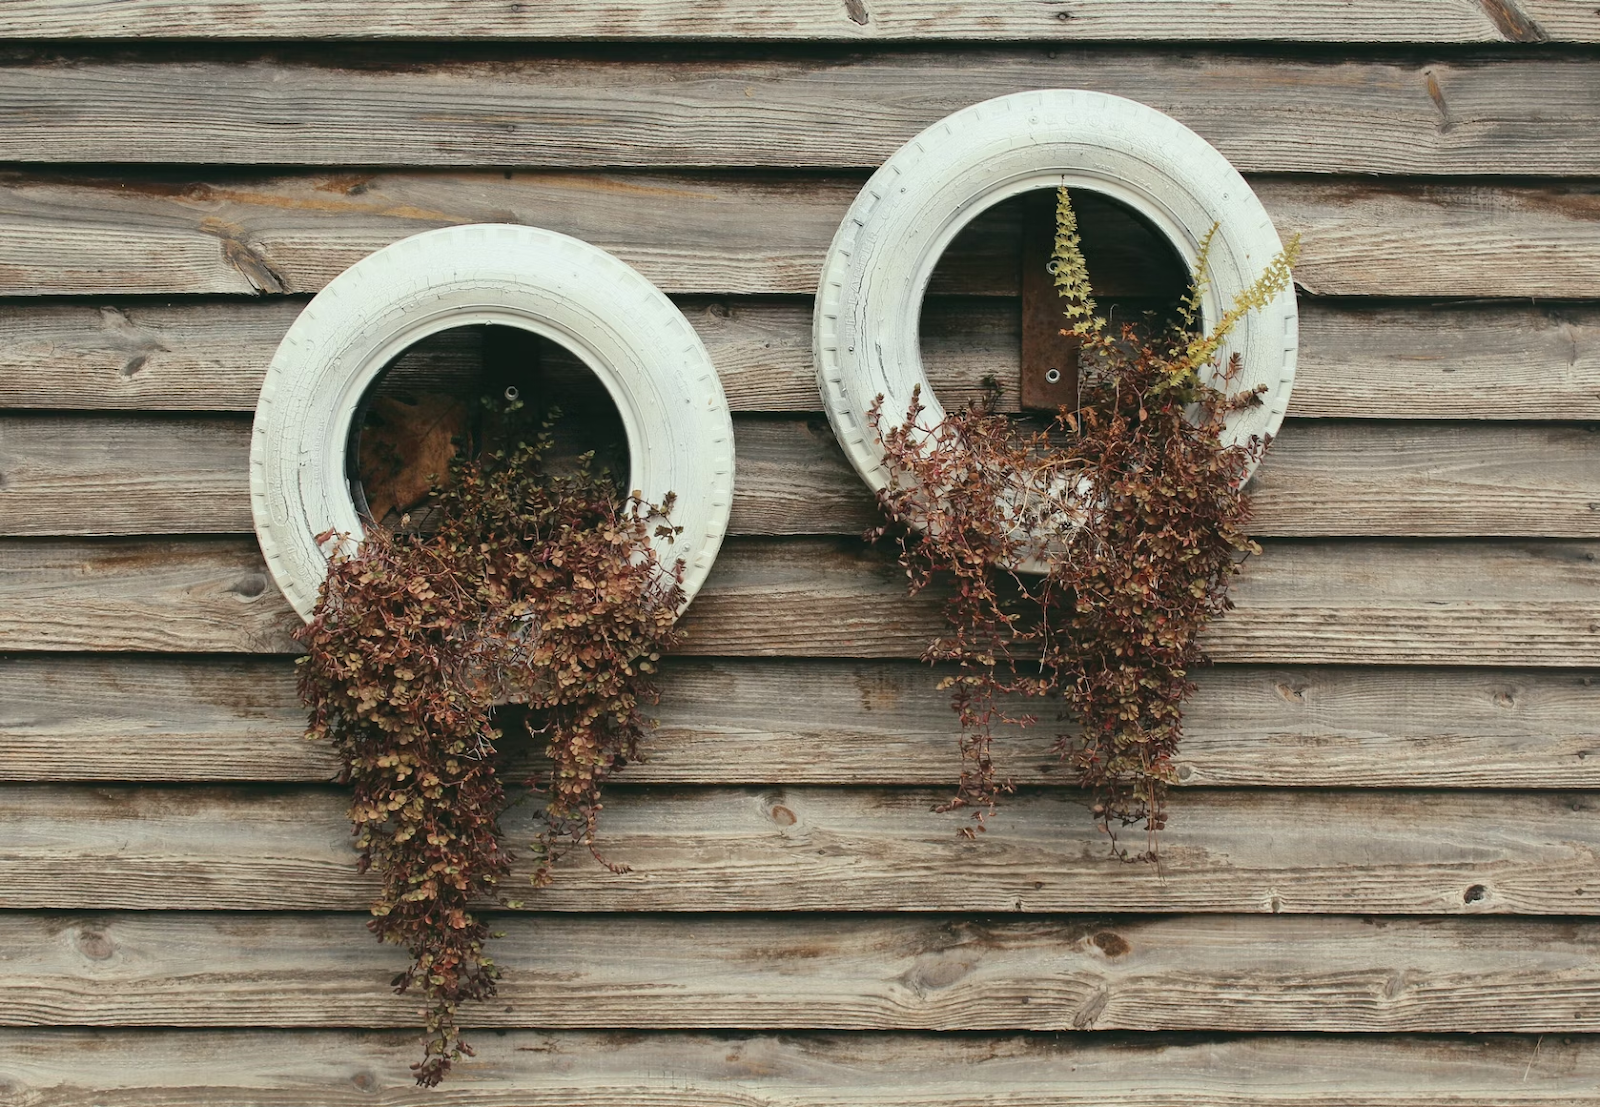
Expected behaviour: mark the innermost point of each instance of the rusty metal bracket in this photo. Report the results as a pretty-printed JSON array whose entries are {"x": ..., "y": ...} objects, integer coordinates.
[{"x": 1049, "y": 377}]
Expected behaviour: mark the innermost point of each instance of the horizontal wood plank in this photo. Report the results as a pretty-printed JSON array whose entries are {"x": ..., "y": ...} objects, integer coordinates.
[
  {"x": 116, "y": 475},
  {"x": 195, "y": 356},
  {"x": 111, "y": 475},
  {"x": 1433, "y": 479},
  {"x": 830, "y": 973},
  {"x": 1357, "y": 360},
  {"x": 534, "y": 1068},
  {"x": 1533, "y": 115},
  {"x": 789, "y": 721},
  {"x": 1264, "y": 114},
  {"x": 246, "y": 848},
  {"x": 1458, "y": 361},
  {"x": 1351, "y": 602},
  {"x": 1354, "y": 602},
  {"x": 722, "y": 233},
  {"x": 1434, "y": 21},
  {"x": 132, "y": 595},
  {"x": 1457, "y": 227}
]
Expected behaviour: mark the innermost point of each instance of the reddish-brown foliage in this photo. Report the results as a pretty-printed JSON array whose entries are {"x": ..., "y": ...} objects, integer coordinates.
[
  {"x": 537, "y": 589},
  {"x": 1132, "y": 507}
]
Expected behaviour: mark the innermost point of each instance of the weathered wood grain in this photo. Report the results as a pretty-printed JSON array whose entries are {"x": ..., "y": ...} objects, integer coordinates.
[
  {"x": 246, "y": 848},
  {"x": 294, "y": 234},
  {"x": 206, "y": 356},
  {"x": 1357, "y": 360},
  {"x": 517, "y": 1068},
  {"x": 754, "y": 721},
  {"x": 1500, "y": 584},
  {"x": 1353, "y": 602},
  {"x": 1456, "y": 361},
  {"x": 156, "y": 718},
  {"x": 174, "y": 596},
  {"x": 115, "y": 475},
  {"x": 722, "y": 233},
  {"x": 829, "y": 973},
  {"x": 1456, "y": 229},
  {"x": 803, "y": 784},
  {"x": 1333, "y": 478},
  {"x": 1435, "y": 21},
  {"x": 1532, "y": 115}
]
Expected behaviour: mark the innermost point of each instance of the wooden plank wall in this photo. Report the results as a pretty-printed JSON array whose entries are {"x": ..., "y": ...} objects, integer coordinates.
[{"x": 1381, "y": 882}]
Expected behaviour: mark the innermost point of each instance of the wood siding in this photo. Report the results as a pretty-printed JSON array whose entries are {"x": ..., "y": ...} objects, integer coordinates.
[{"x": 1380, "y": 882}]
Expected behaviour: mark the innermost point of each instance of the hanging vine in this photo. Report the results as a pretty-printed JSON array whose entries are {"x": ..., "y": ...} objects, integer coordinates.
[
  {"x": 537, "y": 589},
  {"x": 1134, "y": 507}
]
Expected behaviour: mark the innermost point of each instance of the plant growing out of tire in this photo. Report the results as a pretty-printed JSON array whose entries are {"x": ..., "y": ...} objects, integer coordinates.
[
  {"x": 1134, "y": 507},
  {"x": 538, "y": 589}
]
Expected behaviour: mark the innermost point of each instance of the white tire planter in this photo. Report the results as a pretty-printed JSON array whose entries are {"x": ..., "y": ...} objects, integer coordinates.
[
  {"x": 869, "y": 302},
  {"x": 651, "y": 361}
]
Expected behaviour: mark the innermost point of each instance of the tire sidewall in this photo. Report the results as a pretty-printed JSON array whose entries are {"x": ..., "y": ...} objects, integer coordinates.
[
  {"x": 869, "y": 301},
  {"x": 649, "y": 358}
]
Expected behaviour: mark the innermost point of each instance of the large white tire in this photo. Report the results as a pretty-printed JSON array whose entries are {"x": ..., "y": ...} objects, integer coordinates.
[
  {"x": 865, "y": 324},
  {"x": 680, "y": 435}
]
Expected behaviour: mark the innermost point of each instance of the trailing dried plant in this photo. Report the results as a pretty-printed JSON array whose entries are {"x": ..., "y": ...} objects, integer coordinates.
[
  {"x": 1132, "y": 510},
  {"x": 537, "y": 589}
]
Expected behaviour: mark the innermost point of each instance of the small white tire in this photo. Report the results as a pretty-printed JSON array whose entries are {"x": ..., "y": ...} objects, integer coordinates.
[
  {"x": 648, "y": 356},
  {"x": 865, "y": 324}
]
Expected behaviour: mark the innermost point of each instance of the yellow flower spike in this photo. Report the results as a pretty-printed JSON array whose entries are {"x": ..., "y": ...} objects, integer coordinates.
[
  {"x": 1277, "y": 276},
  {"x": 1070, "y": 271}
]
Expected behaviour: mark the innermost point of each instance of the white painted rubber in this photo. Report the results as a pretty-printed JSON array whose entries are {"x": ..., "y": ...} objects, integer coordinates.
[
  {"x": 680, "y": 434},
  {"x": 864, "y": 331}
]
